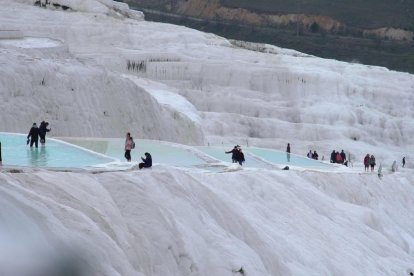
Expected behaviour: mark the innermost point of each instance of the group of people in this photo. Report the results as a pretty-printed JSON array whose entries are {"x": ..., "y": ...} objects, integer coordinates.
[
  {"x": 336, "y": 157},
  {"x": 237, "y": 155},
  {"x": 313, "y": 155},
  {"x": 38, "y": 132},
  {"x": 339, "y": 157},
  {"x": 369, "y": 161},
  {"x": 130, "y": 145}
]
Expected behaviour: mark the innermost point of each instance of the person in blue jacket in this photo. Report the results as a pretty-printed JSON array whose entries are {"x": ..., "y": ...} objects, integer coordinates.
[{"x": 147, "y": 161}]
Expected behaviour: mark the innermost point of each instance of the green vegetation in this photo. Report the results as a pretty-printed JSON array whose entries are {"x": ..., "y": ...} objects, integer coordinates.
[
  {"x": 371, "y": 51},
  {"x": 354, "y": 13},
  {"x": 149, "y": 4},
  {"x": 346, "y": 45}
]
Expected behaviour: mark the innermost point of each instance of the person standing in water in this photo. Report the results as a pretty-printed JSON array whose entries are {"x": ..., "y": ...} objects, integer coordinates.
[
  {"x": 42, "y": 132},
  {"x": 128, "y": 147},
  {"x": 33, "y": 135},
  {"x": 288, "y": 152},
  {"x": 240, "y": 156},
  {"x": 234, "y": 153}
]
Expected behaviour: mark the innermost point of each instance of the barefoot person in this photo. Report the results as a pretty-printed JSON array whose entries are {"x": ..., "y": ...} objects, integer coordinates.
[
  {"x": 288, "y": 152},
  {"x": 128, "y": 147},
  {"x": 42, "y": 132},
  {"x": 33, "y": 135}
]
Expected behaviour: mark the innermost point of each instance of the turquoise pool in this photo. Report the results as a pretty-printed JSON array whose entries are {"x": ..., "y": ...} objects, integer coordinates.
[
  {"x": 202, "y": 156},
  {"x": 219, "y": 154},
  {"x": 161, "y": 152},
  {"x": 55, "y": 154},
  {"x": 279, "y": 157}
]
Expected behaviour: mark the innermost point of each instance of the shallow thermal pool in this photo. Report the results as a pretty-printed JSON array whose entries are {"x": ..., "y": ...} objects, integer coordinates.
[
  {"x": 218, "y": 152},
  {"x": 184, "y": 156},
  {"x": 279, "y": 157},
  {"x": 161, "y": 152},
  {"x": 56, "y": 154},
  {"x": 263, "y": 158}
]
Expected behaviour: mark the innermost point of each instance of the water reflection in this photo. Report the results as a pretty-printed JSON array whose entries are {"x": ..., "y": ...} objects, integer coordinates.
[
  {"x": 93, "y": 145},
  {"x": 37, "y": 157}
]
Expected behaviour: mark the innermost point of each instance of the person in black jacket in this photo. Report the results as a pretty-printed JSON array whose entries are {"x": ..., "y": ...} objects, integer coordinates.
[
  {"x": 33, "y": 135},
  {"x": 315, "y": 155},
  {"x": 42, "y": 131},
  {"x": 333, "y": 157},
  {"x": 240, "y": 156},
  {"x": 234, "y": 152},
  {"x": 147, "y": 161},
  {"x": 343, "y": 156},
  {"x": 288, "y": 152}
]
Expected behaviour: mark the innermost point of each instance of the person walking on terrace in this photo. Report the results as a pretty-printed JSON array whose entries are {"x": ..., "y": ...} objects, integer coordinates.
[
  {"x": 372, "y": 162},
  {"x": 366, "y": 162},
  {"x": 343, "y": 156}
]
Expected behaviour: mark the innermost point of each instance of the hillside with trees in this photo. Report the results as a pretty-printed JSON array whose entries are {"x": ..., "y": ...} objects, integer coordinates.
[
  {"x": 369, "y": 32},
  {"x": 366, "y": 14}
]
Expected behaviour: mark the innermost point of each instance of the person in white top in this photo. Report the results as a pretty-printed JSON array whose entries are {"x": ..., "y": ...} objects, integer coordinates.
[{"x": 128, "y": 147}]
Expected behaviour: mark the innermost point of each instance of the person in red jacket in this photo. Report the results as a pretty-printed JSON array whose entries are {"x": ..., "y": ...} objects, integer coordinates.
[
  {"x": 338, "y": 158},
  {"x": 366, "y": 162}
]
